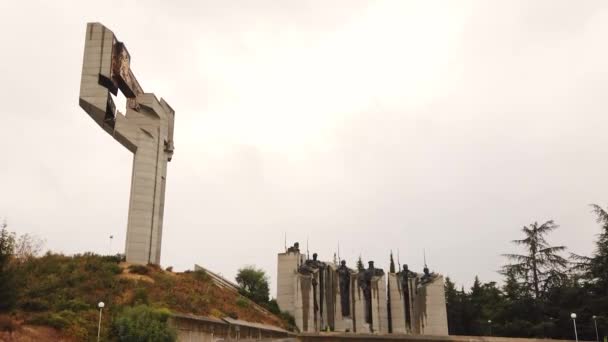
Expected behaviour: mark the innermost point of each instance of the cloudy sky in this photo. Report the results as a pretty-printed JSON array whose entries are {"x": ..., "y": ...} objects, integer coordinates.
[{"x": 403, "y": 125}]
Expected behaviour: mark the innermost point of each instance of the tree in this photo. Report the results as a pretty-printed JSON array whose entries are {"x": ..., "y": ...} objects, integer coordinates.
[
  {"x": 28, "y": 246},
  {"x": 360, "y": 266},
  {"x": 8, "y": 295},
  {"x": 143, "y": 323},
  {"x": 392, "y": 264},
  {"x": 453, "y": 308},
  {"x": 595, "y": 268},
  {"x": 254, "y": 284},
  {"x": 541, "y": 266},
  {"x": 7, "y": 245}
]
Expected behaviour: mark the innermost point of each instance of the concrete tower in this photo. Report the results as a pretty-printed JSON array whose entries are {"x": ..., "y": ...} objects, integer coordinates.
[{"x": 146, "y": 130}]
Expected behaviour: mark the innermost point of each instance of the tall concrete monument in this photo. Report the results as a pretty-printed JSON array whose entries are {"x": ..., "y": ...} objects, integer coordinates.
[{"x": 146, "y": 129}]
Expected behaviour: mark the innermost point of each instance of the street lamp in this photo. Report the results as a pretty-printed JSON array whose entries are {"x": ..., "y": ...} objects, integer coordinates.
[
  {"x": 100, "y": 305},
  {"x": 597, "y": 336},
  {"x": 490, "y": 325},
  {"x": 573, "y": 316},
  {"x": 111, "y": 237}
]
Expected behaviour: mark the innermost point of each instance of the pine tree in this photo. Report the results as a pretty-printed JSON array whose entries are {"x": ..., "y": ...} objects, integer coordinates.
[
  {"x": 392, "y": 265},
  {"x": 541, "y": 267},
  {"x": 360, "y": 266},
  {"x": 7, "y": 286}
]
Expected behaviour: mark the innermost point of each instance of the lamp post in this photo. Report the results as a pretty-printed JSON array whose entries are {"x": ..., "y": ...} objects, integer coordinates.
[
  {"x": 490, "y": 325},
  {"x": 111, "y": 237},
  {"x": 597, "y": 336},
  {"x": 100, "y": 305},
  {"x": 573, "y": 316}
]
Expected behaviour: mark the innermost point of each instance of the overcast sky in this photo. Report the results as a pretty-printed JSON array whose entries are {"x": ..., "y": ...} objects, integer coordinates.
[{"x": 404, "y": 125}]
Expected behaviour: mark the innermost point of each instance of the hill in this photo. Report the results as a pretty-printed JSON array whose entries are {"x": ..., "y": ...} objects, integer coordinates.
[{"x": 62, "y": 292}]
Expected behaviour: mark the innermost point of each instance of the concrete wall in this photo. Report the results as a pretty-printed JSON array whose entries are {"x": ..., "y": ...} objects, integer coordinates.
[
  {"x": 146, "y": 130},
  {"x": 287, "y": 267},
  {"x": 413, "y": 338},
  {"x": 430, "y": 311},
  {"x": 303, "y": 303}
]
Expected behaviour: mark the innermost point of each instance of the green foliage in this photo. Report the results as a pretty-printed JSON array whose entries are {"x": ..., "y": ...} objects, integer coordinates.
[
  {"x": 143, "y": 323},
  {"x": 201, "y": 275},
  {"x": 541, "y": 267},
  {"x": 8, "y": 288},
  {"x": 242, "y": 302},
  {"x": 34, "y": 304},
  {"x": 273, "y": 307},
  {"x": 360, "y": 266},
  {"x": 139, "y": 269},
  {"x": 287, "y": 317},
  {"x": 253, "y": 284},
  {"x": 392, "y": 264},
  {"x": 140, "y": 296}
]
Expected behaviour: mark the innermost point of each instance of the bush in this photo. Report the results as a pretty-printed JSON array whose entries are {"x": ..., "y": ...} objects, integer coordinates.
[
  {"x": 54, "y": 320},
  {"x": 139, "y": 269},
  {"x": 273, "y": 307},
  {"x": 143, "y": 323},
  {"x": 140, "y": 296},
  {"x": 201, "y": 275},
  {"x": 74, "y": 305},
  {"x": 34, "y": 304},
  {"x": 242, "y": 302}
]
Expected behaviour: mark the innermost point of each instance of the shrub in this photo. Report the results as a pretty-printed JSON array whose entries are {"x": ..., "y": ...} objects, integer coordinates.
[
  {"x": 232, "y": 315},
  {"x": 143, "y": 323},
  {"x": 74, "y": 305},
  {"x": 273, "y": 307},
  {"x": 140, "y": 296},
  {"x": 54, "y": 320},
  {"x": 242, "y": 302},
  {"x": 139, "y": 269},
  {"x": 201, "y": 275},
  {"x": 34, "y": 304},
  {"x": 169, "y": 269}
]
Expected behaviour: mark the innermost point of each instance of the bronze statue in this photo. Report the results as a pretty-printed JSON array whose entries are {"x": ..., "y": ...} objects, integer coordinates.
[
  {"x": 294, "y": 249},
  {"x": 365, "y": 282},
  {"x": 405, "y": 277},
  {"x": 427, "y": 277},
  {"x": 344, "y": 277}
]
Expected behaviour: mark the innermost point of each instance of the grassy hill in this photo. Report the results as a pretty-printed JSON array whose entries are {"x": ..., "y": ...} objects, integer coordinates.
[{"x": 62, "y": 292}]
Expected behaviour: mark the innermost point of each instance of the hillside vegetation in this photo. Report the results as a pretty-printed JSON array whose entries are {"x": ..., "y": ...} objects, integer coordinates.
[{"x": 63, "y": 291}]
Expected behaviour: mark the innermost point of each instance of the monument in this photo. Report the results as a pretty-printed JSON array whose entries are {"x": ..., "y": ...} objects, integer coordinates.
[
  {"x": 327, "y": 296},
  {"x": 146, "y": 129}
]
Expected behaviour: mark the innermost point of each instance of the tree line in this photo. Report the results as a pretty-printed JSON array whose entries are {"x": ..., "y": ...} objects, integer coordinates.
[{"x": 541, "y": 287}]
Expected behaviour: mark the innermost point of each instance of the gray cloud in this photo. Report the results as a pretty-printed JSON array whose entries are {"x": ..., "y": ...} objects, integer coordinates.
[{"x": 375, "y": 125}]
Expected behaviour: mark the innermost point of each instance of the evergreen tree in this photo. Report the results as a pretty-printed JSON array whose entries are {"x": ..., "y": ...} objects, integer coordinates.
[
  {"x": 541, "y": 266},
  {"x": 597, "y": 265},
  {"x": 7, "y": 285},
  {"x": 360, "y": 266},
  {"x": 392, "y": 265}
]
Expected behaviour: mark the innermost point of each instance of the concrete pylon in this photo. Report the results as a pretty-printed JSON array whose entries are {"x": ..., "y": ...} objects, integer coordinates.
[{"x": 146, "y": 130}]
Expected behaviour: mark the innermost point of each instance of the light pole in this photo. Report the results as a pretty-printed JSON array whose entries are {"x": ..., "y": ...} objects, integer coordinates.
[
  {"x": 100, "y": 305},
  {"x": 597, "y": 336},
  {"x": 111, "y": 237},
  {"x": 573, "y": 316},
  {"x": 490, "y": 325}
]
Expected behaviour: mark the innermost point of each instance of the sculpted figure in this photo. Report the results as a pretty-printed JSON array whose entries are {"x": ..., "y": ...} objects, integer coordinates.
[
  {"x": 344, "y": 277},
  {"x": 365, "y": 282},
  {"x": 294, "y": 249},
  {"x": 404, "y": 278},
  {"x": 427, "y": 277}
]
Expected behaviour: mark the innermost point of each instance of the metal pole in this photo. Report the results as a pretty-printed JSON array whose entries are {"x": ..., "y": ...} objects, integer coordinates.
[
  {"x": 597, "y": 336},
  {"x": 99, "y": 326},
  {"x": 575, "y": 333}
]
